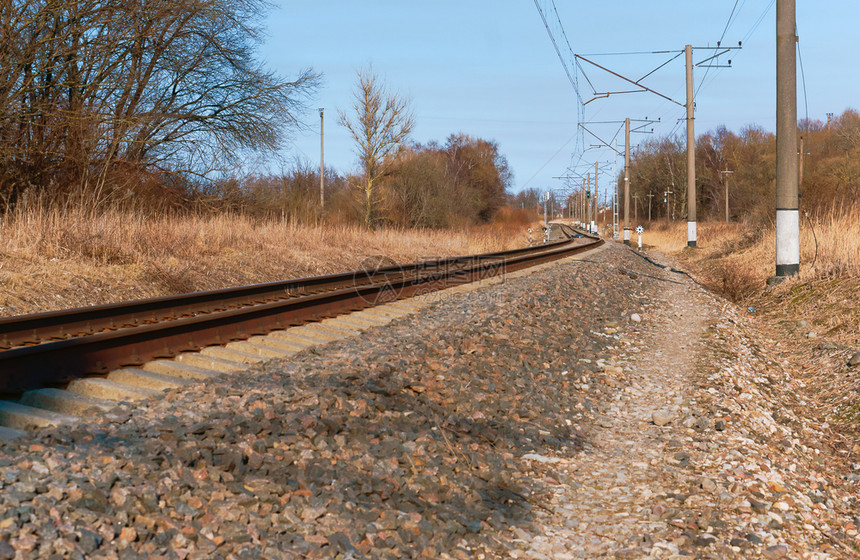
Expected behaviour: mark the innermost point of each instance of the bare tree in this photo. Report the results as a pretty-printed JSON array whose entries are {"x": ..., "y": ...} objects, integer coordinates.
[
  {"x": 90, "y": 88},
  {"x": 381, "y": 123}
]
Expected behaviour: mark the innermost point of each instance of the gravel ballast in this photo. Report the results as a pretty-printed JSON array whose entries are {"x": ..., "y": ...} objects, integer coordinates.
[{"x": 513, "y": 421}]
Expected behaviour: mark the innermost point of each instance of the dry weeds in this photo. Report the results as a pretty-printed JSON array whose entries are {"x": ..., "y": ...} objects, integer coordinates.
[
  {"x": 58, "y": 259},
  {"x": 737, "y": 259}
]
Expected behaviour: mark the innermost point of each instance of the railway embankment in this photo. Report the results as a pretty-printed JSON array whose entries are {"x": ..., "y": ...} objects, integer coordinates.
[{"x": 600, "y": 406}]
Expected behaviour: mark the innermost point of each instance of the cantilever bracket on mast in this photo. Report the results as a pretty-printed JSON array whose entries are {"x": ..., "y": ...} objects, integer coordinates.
[{"x": 635, "y": 83}]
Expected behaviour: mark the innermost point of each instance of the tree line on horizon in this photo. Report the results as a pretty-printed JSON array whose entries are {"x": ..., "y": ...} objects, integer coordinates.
[
  {"x": 829, "y": 171},
  {"x": 454, "y": 185},
  {"x": 155, "y": 104}
]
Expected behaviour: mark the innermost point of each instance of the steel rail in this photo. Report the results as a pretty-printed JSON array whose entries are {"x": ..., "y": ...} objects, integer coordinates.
[
  {"x": 52, "y": 363},
  {"x": 58, "y": 325}
]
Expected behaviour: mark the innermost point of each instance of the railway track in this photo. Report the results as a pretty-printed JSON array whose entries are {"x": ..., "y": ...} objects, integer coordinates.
[{"x": 56, "y": 366}]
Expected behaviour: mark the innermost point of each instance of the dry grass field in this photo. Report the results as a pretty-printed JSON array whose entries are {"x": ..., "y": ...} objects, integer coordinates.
[
  {"x": 735, "y": 260},
  {"x": 57, "y": 259}
]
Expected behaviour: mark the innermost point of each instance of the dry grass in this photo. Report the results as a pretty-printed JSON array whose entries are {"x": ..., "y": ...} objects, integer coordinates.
[
  {"x": 737, "y": 259},
  {"x": 57, "y": 259}
]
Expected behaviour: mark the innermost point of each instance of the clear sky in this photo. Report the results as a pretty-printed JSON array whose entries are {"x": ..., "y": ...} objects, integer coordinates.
[{"x": 488, "y": 69}]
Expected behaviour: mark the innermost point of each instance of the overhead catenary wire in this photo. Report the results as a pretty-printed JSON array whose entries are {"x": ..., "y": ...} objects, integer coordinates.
[
  {"x": 577, "y": 68},
  {"x": 733, "y": 17},
  {"x": 680, "y": 53},
  {"x": 756, "y": 25},
  {"x": 630, "y": 53},
  {"x": 735, "y": 11},
  {"x": 570, "y": 69},
  {"x": 563, "y": 146},
  {"x": 802, "y": 78},
  {"x": 729, "y": 22},
  {"x": 806, "y": 124},
  {"x": 570, "y": 75}
]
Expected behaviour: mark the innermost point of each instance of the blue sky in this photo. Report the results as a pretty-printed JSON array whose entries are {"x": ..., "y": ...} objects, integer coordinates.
[{"x": 488, "y": 69}]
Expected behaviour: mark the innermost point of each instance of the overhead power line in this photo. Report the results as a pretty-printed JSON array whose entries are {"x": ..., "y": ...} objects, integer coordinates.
[
  {"x": 729, "y": 22},
  {"x": 574, "y": 66},
  {"x": 551, "y": 20}
]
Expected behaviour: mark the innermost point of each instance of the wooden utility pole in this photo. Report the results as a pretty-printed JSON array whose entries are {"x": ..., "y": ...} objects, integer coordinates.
[
  {"x": 322, "y": 159},
  {"x": 636, "y": 209},
  {"x": 787, "y": 214},
  {"x": 626, "y": 225},
  {"x": 650, "y": 198},
  {"x": 691, "y": 153},
  {"x": 596, "y": 199}
]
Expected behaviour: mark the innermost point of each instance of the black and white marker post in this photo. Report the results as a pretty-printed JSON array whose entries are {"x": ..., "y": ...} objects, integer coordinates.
[{"x": 787, "y": 214}]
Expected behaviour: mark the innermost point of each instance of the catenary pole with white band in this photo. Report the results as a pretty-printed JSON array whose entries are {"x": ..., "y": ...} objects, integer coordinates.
[
  {"x": 691, "y": 153},
  {"x": 787, "y": 215},
  {"x": 627, "y": 181}
]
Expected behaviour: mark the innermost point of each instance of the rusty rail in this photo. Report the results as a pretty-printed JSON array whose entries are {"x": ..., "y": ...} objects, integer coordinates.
[
  {"x": 57, "y": 325},
  {"x": 144, "y": 330}
]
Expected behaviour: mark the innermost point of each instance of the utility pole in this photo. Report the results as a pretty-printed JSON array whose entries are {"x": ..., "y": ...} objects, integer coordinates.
[
  {"x": 322, "y": 158},
  {"x": 581, "y": 198},
  {"x": 691, "y": 153},
  {"x": 545, "y": 204},
  {"x": 588, "y": 202},
  {"x": 636, "y": 209},
  {"x": 725, "y": 173},
  {"x": 787, "y": 215},
  {"x": 596, "y": 198},
  {"x": 627, "y": 181},
  {"x": 614, "y": 207},
  {"x": 650, "y": 198},
  {"x": 605, "y": 206}
]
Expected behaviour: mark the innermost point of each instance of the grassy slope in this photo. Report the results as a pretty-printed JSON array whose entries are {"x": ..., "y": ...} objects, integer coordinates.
[
  {"x": 737, "y": 259},
  {"x": 55, "y": 260}
]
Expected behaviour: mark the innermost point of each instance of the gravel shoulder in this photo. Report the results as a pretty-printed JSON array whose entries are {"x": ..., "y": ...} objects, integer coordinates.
[{"x": 602, "y": 407}]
